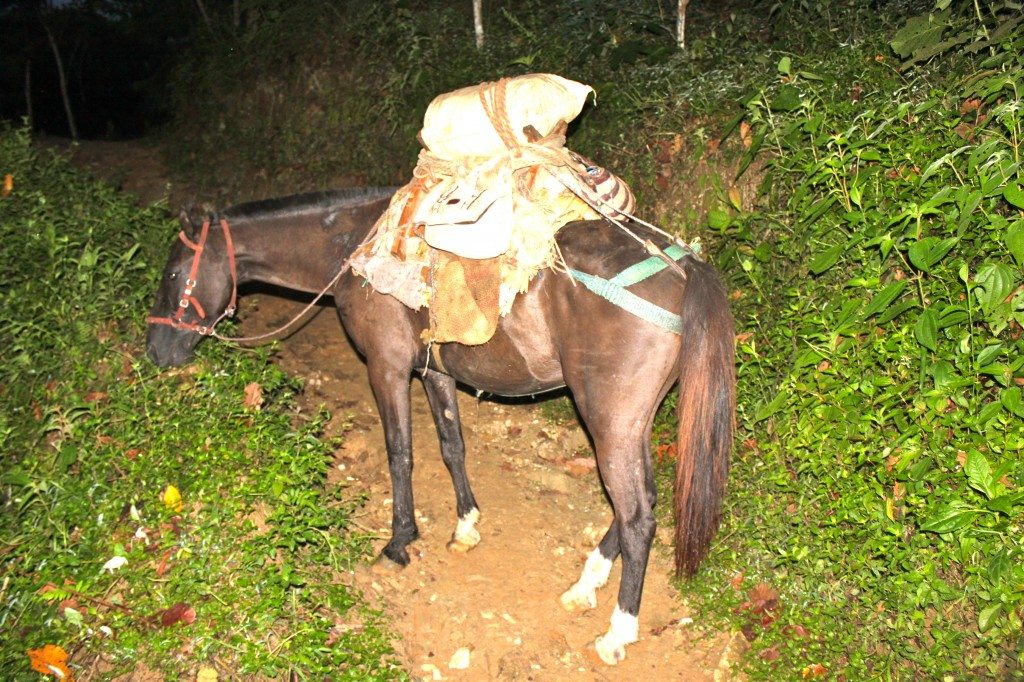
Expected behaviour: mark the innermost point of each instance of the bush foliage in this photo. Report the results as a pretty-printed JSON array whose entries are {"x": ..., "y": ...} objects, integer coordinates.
[{"x": 137, "y": 529}]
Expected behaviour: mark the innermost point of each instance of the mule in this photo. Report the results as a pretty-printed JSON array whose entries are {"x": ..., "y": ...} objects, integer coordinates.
[{"x": 617, "y": 366}]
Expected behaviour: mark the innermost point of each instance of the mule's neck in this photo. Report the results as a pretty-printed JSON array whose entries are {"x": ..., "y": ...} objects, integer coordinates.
[{"x": 300, "y": 251}]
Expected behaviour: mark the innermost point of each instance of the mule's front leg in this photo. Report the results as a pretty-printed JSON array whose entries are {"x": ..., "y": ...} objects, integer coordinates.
[
  {"x": 444, "y": 406},
  {"x": 391, "y": 391}
]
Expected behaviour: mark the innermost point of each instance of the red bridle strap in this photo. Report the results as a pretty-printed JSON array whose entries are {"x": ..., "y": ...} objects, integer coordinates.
[{"x": 187, "y": 300}]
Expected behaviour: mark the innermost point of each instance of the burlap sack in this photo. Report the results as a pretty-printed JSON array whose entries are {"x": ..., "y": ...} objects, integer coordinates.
[{"x": 456, "y": 124}]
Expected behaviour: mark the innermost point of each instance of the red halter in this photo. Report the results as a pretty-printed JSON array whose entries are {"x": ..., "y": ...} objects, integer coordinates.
[{"x": 187, "y": 299}]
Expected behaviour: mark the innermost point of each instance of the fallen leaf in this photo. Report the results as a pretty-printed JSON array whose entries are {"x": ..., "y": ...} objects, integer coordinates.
[
  {"x": 797, "y": 630},
  {"x": 816, "y": 670},
  {"x": 253, "y": 396},
  {"x": 746, "y": 136},
  {"x": 172, "y": 499},
  {"x": 769, "y": 654},
  {"x": 763, "y": 598},
  {"x": 8, "y": 184},
  {"x": 179, "y": 613},
  {"x": 665, "y": 452},
  {"x": 735, "y": 199},
  {"x": 970, "y": 105},
  {"x": 113, "y": 564},
  {"x": 206, "y": 675},
  {"x": 50, "y": 660}
]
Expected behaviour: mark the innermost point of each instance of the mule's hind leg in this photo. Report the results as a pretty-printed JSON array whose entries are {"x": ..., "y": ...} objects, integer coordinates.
[
  {"x": 625, "y": 466},
  {"x": 444, "y": 407},
  {"x": 583, "y": 594}
]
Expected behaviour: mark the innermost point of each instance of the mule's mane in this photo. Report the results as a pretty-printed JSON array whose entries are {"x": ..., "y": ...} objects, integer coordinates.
[{"x": 295, "y": 203}]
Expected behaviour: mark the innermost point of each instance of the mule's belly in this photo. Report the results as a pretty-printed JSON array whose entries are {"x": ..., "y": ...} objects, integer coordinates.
[{"x": 520, "y": 359}]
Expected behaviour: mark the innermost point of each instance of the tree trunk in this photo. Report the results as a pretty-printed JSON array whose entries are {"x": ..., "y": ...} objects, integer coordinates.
[
  {"x": 681, "y": 23},
  {"x": 28, "y": 94},
  {"x": 63, "y": 83},
  {"x": 206, "y": 17},
  {"x": 478, "y": 22}
]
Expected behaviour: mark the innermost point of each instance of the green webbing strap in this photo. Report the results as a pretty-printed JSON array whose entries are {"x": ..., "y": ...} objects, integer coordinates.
[
  {"x": 614, "y": 290},
  {"x": 645, "y": 268}
]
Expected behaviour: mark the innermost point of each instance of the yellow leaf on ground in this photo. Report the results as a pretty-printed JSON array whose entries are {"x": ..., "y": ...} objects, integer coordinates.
[
  {"x": 206, "y": 675},
  {"x": 172, "y": 499}
]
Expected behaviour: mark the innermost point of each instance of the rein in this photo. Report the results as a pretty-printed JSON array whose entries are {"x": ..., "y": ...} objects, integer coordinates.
[{"x": 187, "y": 300}]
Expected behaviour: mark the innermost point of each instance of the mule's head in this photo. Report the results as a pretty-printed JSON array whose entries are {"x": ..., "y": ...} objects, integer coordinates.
[{"x": 196, "y": 289}]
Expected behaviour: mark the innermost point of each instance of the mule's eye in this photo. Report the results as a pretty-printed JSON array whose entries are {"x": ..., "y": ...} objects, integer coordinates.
[{"x": 172, "y": 276}]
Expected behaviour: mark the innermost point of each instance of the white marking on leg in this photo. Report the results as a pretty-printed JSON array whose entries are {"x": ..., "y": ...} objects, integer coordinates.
[
  {"x": 624, "y": 629},
  {"x": 583, "y": 595},
  {"x": 466, "y": 536}
]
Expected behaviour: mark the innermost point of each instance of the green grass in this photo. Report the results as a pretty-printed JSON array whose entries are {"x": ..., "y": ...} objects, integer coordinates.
[{"x": 94, "y": 435}]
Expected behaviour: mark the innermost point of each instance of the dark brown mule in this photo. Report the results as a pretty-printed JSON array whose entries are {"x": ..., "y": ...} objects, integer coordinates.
[{"x": 617, "y": 366}]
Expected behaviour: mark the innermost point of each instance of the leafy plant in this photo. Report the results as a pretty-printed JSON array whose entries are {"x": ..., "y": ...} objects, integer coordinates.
[{"x": 135, "y": 527}]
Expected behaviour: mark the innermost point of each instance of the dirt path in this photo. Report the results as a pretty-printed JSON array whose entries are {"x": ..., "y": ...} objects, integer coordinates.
[{"x": 542, "y": 511}]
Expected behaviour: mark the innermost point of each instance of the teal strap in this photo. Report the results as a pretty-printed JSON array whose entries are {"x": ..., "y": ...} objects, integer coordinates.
[
  {"x": 645, "y": 268},
  {"x": 614, "y": 290},
  {"x": 630, "y": 302}
]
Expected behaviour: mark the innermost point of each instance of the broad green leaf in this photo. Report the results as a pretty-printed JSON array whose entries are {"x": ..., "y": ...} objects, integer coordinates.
[
  {"x": 950, "y": 518},
  {"x": 990, "y": 354},
  {"x": 786, "y": 99},
  {"x": 1014, "y": 194},
  {"x": 929, "y": 251},
  {"x": 785, "y": 66},
  {"x": 1010, "y": 398},
  {"x": 979, "y": 473},
  {"x": 1002, "y": 504},
  {"x": 919, "y": 33},
  {"x": 927, "y": 329},
  {"x": 988, "y": 616},
  {"x": 1015, "y": 240},
  {"x": 987, "y": 414},
  {"x": 895, "y": 311},
  {"x": 826, "y": 259},
  {"x": 772, "y": 407},
  {"x": 995, "y": 282},
  {"x": 718, "y": 219},
  {"x": 943, "y": 374},
  {"x": 884, "y": 298},
  {"x": 951, "y": 316}
]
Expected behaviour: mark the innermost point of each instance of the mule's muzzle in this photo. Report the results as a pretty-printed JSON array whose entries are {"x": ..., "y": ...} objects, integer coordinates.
[{"x": 169, "y": 347}]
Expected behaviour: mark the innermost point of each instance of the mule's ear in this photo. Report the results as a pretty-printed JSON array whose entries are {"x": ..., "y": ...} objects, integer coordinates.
[{"x": 191, "y": 219}]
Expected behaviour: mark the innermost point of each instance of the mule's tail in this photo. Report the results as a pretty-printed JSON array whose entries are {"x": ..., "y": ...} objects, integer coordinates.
[{"x": 706, "y": 411}]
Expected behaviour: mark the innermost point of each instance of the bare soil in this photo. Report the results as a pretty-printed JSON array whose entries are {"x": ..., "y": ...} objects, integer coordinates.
[{"x": 542, "y": 511}]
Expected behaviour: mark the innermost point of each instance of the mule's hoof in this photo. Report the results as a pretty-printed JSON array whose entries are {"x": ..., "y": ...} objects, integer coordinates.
[
  {"x": 385, "y": 565},
  {"x": 609, "y": 651},
  {"x": 460, "y": 545},
  {"x": 577, "y": 600}
]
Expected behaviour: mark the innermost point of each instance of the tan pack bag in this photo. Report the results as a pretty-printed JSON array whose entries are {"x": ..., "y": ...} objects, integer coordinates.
[{"x": 456, "y": 124}]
